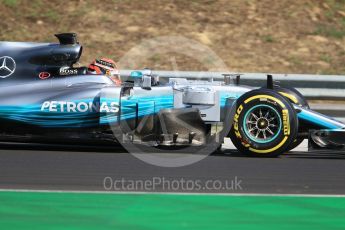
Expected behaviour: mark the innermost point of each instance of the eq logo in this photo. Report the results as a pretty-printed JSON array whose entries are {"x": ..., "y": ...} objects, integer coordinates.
[{"x": 7, "y": 66}]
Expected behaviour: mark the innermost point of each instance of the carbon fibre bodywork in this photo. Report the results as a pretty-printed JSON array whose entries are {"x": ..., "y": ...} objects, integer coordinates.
[{"x": 41, "y": 101}]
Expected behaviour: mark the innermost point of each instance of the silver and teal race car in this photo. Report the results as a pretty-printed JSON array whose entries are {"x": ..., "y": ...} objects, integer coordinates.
[{"x": 44, "y": 99}]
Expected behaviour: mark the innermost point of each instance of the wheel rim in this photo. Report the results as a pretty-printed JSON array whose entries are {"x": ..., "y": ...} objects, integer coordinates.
[{"x": 262, "y": 123}]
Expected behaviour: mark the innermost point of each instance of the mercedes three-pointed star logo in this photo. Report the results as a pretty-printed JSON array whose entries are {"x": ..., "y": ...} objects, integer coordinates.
[{"x": 7, "y": 66}]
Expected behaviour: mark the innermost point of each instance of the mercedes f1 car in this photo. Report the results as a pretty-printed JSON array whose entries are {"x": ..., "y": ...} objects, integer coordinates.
[{"x": 44, "y": 98}]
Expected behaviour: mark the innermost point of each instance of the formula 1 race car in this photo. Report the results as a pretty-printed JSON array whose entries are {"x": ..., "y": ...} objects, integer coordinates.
[{"x": 45, "y": 99}]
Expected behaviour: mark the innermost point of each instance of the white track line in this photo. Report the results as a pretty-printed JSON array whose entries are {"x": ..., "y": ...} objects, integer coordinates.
[{"x": 173, "y": 193}]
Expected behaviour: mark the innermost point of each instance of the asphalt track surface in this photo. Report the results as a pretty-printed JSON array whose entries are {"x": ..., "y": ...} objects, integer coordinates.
[{"x": 80, "y": 168}]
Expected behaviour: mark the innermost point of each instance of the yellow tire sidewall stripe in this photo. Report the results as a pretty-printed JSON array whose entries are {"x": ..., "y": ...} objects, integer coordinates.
[
  {"x": 283, "y": 106},
  {"x": 270, "y": 150},
  {"x": 290, "y": 96},
  {"x": 266, "y": 97}
]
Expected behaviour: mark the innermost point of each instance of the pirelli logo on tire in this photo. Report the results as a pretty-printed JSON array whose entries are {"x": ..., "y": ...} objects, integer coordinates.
[
  {"x": 260, "y": 110},
  {"x": 286, "y": 122}
]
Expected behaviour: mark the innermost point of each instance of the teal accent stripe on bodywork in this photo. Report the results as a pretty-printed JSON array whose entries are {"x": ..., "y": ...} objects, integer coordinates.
[
  {"x": 225, "y": 95},
  {"x": 320, "y": 120},
  {"x": 32, "y": 114}
]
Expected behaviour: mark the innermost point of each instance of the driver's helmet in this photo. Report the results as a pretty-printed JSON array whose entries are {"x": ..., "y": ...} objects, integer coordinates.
[{"x": 107, "y": 67}]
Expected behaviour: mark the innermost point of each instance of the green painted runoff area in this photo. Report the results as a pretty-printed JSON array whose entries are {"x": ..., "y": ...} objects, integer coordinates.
[{"x": 54, "y": 210}]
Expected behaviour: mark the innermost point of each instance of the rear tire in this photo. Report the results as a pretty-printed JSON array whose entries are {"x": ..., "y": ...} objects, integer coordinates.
[{"x": 265, "y": 124}]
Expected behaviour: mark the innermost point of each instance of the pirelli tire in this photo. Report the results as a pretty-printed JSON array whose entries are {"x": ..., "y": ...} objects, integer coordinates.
[
  {"x": 264, "y": 125},
  {"x": 293, "y": 95},
  {"x": 297, "y": 98}
]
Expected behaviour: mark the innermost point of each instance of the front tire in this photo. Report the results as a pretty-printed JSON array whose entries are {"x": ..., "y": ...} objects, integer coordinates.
[
  {"x": 295, "y": 97},
  {"x": 265, "y": 124}
]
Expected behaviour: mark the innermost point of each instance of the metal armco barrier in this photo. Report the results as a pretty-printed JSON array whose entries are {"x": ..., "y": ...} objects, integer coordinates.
[{"x": 331, "y": 87}]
